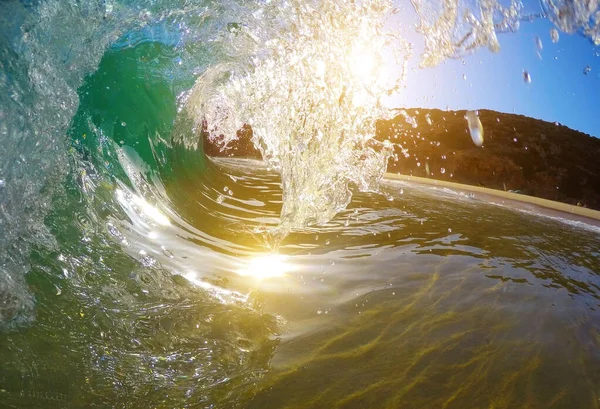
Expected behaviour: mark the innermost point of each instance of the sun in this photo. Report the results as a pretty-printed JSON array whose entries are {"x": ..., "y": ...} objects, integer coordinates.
[{"x": 363, "y": 64}]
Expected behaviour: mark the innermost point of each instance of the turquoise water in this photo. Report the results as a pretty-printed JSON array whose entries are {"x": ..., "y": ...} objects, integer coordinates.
[{"x": 137, "y": 272}]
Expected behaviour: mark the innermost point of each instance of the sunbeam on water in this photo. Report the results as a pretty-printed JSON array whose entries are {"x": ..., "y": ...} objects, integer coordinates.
[{"x": 265, "y": 267}]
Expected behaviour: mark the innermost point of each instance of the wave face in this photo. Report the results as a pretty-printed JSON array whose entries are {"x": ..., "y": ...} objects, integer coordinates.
[{"x": 130, "y": 257}]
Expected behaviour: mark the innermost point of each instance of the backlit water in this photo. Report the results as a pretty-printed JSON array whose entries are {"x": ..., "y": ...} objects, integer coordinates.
[{"x": 135, "y": 272}]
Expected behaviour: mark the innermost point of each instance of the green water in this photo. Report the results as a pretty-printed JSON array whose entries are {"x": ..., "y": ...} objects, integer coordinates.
[{"x": 431, "y": 300}]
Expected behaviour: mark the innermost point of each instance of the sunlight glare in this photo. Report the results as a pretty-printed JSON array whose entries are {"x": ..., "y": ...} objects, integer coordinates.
[
  {"x": 263, "y": 267},
  {"x": 363, "y": 64}
]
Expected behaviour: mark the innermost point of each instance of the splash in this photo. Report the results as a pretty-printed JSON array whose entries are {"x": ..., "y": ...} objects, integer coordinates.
[
  {"x": 312, "y": 94},
  {"x": 455, "y": 28},
  {"x": 574, "y": 16}
]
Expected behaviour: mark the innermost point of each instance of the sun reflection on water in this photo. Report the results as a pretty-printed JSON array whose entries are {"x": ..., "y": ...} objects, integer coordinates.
[{"x": 265, "y": 267}]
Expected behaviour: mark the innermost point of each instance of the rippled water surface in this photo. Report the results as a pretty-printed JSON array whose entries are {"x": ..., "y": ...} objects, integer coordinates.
[{"x": 433, "y": 299}]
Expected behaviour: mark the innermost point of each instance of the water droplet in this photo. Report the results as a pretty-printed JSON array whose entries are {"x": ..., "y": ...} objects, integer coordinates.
[
  {"x": 428, "y": 119},
  {"x": 475, "y": 127},
  {"x": 2, "y": 183},
  {"x": 587, "y": 70},
  {"x": 123, "y": 123},
  {"x": 526, "y": 77},
  {"x": 327, "y": 242},
  {"x": 538, "y": 43},
  {"x": 442, "y": 171},
  {"x": 554, "y": 35},
  {"x": 225, "y": 189},
  {"x": 58, "y": 290},
  {"x": 220, "y": 199},
  {"x": 449, "y": 230},
  {"x": 146, "y": 260},
  {"x": 465, "y": 77},
  {"x": 319, "y": 312},
  {"x": 167, "y": 252},
  {"x": 401, "y": 191},
  {"x": 230, "y": 192},
  {"x": 515, "y": 139}
]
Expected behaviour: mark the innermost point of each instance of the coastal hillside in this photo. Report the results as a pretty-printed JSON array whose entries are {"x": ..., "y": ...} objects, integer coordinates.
[{"x": 519, "y": 153}]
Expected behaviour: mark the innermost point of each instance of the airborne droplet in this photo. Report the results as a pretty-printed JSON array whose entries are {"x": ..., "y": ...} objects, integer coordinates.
[
  {"x": 587, "y": 70},
  {"x": 538, "y": 43},
  {"x": 526, "y": 77},
  {"x": 475, "y": 127},
  {"x": 554, "y": 35}
]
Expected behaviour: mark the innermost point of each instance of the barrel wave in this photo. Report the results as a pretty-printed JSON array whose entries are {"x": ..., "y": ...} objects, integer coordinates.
[{"x": 136, "y": 271}]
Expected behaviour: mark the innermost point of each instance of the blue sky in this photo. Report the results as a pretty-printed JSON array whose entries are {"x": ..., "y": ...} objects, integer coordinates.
[{"x": 559, "y": 89}]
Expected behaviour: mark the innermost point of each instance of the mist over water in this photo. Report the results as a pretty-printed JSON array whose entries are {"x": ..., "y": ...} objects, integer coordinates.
[{"x": 136, "y": 271}]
